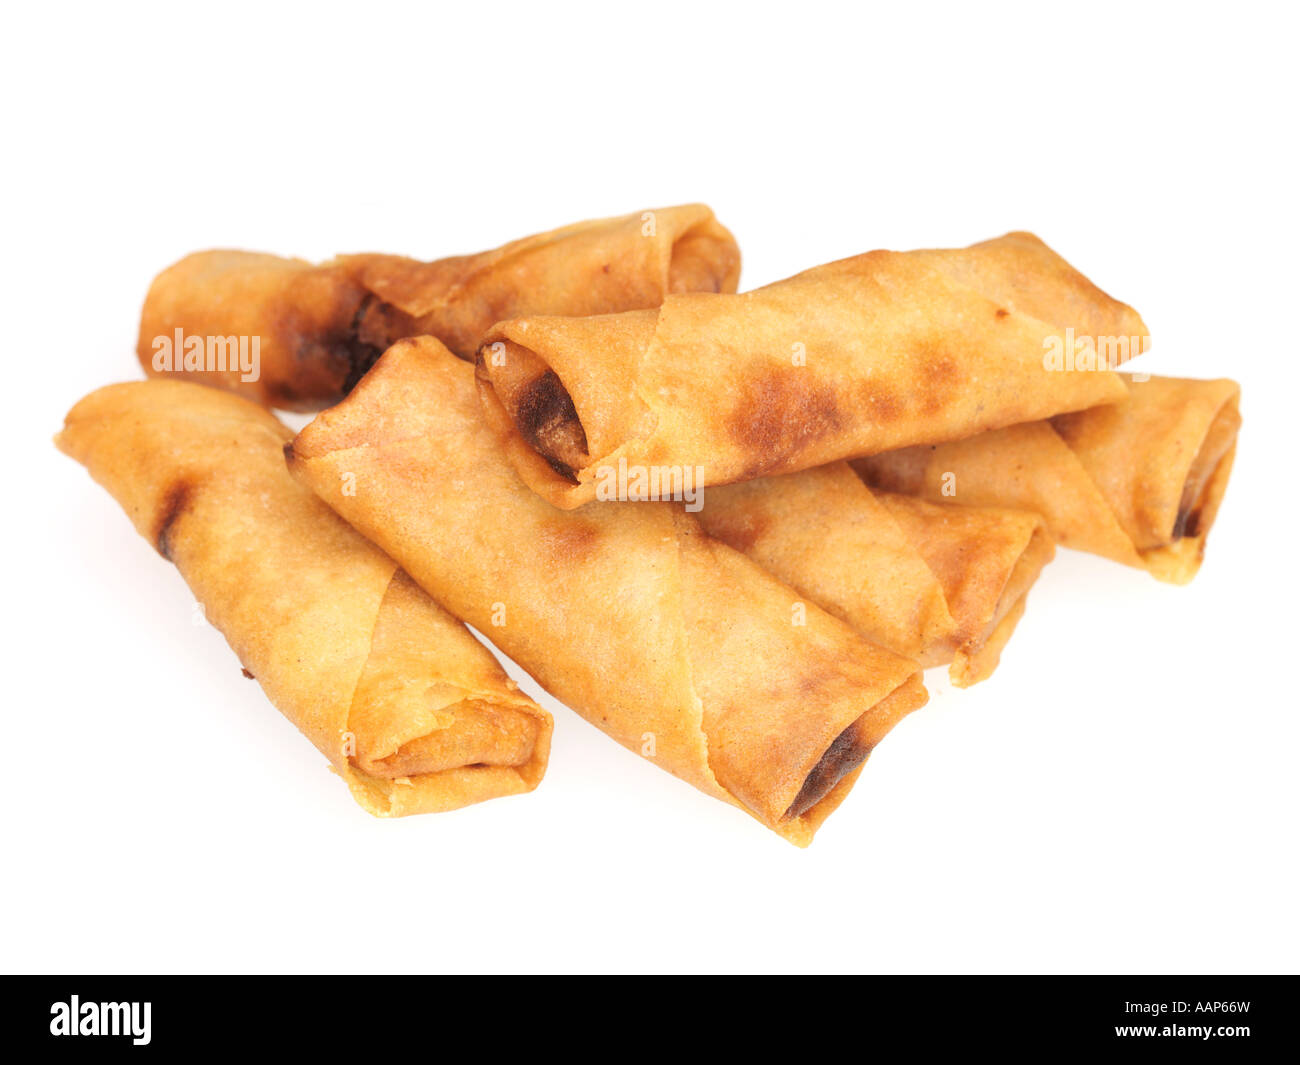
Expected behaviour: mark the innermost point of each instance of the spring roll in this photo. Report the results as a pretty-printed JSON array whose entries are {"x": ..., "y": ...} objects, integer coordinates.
[
  {"x": 1139, "y": 481},
  {"x": 871, "y": 353},
  {"x": 673, "y": 644},
  {"x": 411, "y": 710},
  {"x": 986, "y": 559},
  {"x": 939, "y": 584},
  {"x": 298, "y": 336}
]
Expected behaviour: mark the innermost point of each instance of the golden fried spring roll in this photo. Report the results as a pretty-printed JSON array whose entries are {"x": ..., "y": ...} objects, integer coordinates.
[
  {"x": 411, "y": 710},
  {"x": 875, "y": 352},
  {"x": 937, "y": 584},
  {"x": 319, "y": 328},
  {"x": 675, "y": 645},
  {"x": 1139, "y": 481},
  {"x": 986, "y": 559}
]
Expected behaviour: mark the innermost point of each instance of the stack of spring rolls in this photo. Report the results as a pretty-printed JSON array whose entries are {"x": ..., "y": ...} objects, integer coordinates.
[{"x": 728, "y": 529}]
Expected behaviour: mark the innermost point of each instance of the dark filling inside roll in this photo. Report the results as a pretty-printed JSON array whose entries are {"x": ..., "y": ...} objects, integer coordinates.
[
  {"x": 375, "y": 327},
  {"x": 1214, "y": 449},
  {"x": 547, "y": 419},
  {"x": 849, "y": 751},
  {"x": 1187, "y": 523}
]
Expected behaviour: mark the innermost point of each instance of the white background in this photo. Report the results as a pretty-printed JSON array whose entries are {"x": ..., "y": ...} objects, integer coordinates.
[{"x": 1121, "y": 796}]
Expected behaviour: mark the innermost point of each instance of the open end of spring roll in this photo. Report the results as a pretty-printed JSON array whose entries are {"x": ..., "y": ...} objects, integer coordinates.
[
  {"x": 410, "y": 709},
  {"x": 837, "y": 770},
  {"x": 864, "y": 355},
  {"x": 1139, "y": 481},
  {"x": 937, "y": 583},
  {"x": 1161, "y": 461},
  {"x": 986, "y": 559},
  {"x": 787, "y": 721},
  {"x": 678, "y": 647},
  {"x": 318, "y": 329}
]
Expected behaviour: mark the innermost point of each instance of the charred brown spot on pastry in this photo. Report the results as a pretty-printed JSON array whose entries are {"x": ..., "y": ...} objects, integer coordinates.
[
  {"x": 175, "y": 502},
  {"x": 246, "y": 673},
  {"x": 571, "y": 540},
  {"x": 818, "y": 673},
  {"x": 1001, "y": 312},
  {"x": 842, "y": 757},
  {"x": 547, "y": 419},
  {"x": 938, "y": 379},
  {"x": 781, "y": 415},
  {"x": 741, "y": 534},
  {"x": 878, "y": 402},
  {"x": 885, "y": 405},
  {"x": 749, "y": 534},
  {"x": 937, "y": 367}
]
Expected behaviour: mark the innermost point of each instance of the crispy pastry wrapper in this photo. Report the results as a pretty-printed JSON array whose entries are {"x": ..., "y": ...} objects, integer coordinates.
[
  {"x": 986, "y": 559},
  {"x": 940, "y": 584},
  {"x": 673, "y": 644},
  {"x": 863, "y": 355},
  {"x": 1139, "y": 481},
  {"x": 411, "y": 710},
  {"x": 320, "y": 327}
]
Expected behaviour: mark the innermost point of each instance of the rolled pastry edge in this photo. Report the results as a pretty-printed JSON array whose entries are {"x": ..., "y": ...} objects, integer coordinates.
[{"x": 368, "y": 668}]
